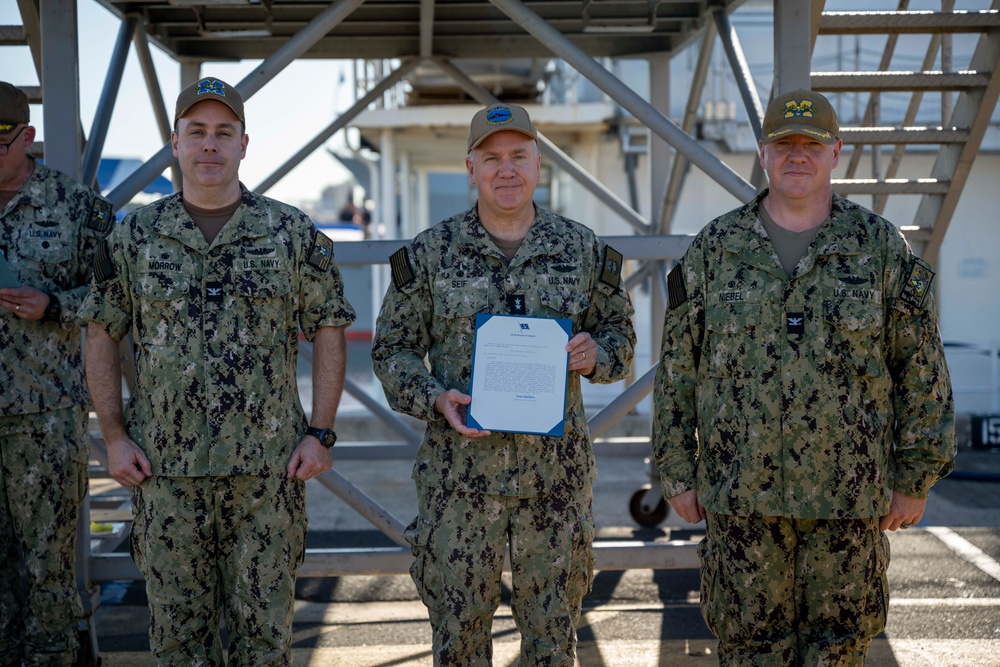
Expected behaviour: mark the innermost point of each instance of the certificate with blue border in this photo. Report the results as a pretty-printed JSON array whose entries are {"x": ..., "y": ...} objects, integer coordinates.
[{"x": 519, "y": 374}]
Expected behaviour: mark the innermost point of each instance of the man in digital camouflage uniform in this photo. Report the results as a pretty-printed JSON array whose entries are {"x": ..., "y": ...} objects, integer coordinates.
[
  {"x": 802, "y": 404},
  {"x": 50, "y": 227},
  {"x": 480, "y": 491},
  {"x": 214, "y": 283}
]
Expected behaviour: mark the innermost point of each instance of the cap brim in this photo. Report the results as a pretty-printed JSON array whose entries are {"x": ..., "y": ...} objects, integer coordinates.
[
  {"x": 494, "y": 130},
  {"x": 213, "y": 98},
  {"x": 824, "y": 136}
]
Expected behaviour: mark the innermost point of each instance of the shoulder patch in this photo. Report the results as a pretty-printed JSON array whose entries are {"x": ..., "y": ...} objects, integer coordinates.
[
  {"x": 676, "y": 291},
  {"x": 402, "y": 270},
  {"x": 101, "y": 216},
  {"x": 918, "y": 283},
  {"x": 104, "y": 266},
  {"x": 611, "y": 267},
  {"x": 320, "y": 255}
]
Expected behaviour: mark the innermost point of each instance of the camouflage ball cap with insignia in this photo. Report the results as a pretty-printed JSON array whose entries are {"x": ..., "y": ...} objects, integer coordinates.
[
  {"x": 14, "y": 109},
  {"x": 800, "y": 112},
  {"x": 499, "y": 118},
  {"x": 209, "y": 88}
]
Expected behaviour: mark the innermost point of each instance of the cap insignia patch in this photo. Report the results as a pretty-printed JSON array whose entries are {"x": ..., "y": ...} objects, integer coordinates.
[
  {"x": 212, "y": 87},
  {"x": 499, "y": 116},
  {"x": 803, "y": 108}
]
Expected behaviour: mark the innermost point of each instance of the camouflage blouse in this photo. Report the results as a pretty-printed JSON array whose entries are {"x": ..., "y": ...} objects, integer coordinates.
[
  {"x": 441, "y": 281},
  {"x": 215, "y": 328},
  {"x": 49, "y": 233},
  {"x": 813, "y": 396}
]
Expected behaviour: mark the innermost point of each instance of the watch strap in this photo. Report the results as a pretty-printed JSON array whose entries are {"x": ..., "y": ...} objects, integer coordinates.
[
  {"x": 53, "y": 312},
  {"x": 326, "y": 436}
]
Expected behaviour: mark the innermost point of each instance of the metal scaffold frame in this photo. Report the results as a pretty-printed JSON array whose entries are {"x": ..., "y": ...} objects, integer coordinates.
[
  {"x": 649, "y": 249},
  {"x": 52, "y": 25}
]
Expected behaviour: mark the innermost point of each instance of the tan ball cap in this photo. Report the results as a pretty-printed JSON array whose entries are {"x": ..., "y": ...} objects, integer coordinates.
[
  {"x": 499, "y": 118},
  {"x": 210, "y": 89},
  {"x": 13, "y": 108},
  {"x": 800, "y": 112}
]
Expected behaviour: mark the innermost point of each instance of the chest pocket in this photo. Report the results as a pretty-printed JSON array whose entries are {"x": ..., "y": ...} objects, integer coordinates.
[
  {"x": 263, "y": 307},
  {"x": 563, "y": 303},
  {"x": 454, "y": 317},
  {"x": 163, "y": 301},
  {"x": 732, "y": 333},
  {"x": 852, "y": 338},
  {"x": 46, "y": 263}
]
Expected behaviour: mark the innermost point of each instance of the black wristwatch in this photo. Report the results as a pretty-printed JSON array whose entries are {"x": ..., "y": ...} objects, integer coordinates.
[
  {"x": 53, "y": 311},
  {"x": 326, "y": 436}
]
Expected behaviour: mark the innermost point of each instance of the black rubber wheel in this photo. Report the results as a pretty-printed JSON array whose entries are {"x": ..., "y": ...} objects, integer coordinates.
[
  {"x": 650, "y": 519},
  {"x": 83, "y": 657}
]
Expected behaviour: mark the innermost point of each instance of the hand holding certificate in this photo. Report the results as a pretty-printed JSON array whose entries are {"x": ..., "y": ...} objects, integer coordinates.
[{"x": 519, "y": 374}]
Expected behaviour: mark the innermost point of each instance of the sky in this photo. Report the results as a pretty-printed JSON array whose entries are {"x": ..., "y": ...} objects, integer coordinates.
[{"x": 280, "y": 118}]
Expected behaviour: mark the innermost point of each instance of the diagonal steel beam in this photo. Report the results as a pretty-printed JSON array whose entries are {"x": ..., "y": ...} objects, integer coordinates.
[
  {"x": 954, "y": 162},
  {"x": 612, "y": 413},
  {"x": 679, "y": 169},
  {"x": 879, "y": 201},
  {"x": 303, "y": 40},
  {"x": 384, "y": 414},
  {"x": 364, "y": 505},
  {"x": 555, "y": 41},
  {"x": 106, "y": 105},
  {"x": 741, "y": 70},
  {"x": 373, "y": 95},
  {"x": 139, "y": 39}
]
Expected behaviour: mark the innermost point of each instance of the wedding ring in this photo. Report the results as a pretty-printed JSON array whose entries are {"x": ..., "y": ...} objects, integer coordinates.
[
  {"x": 905, "y": 525},
  {"x": 584, "y": 355},
  {"x": 17, "y": 307}
]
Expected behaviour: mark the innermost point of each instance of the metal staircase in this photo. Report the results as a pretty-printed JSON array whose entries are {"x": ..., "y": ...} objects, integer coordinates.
[
  {"x": 964, "y": 120},
  {"x": 27, "y": 35}
]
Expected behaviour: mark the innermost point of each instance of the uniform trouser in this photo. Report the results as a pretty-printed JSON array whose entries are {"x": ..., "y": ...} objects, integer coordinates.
[
  {"x": 43, "y": 460},
  {"x": 205, "y": 544},
  {"x": 459, "y": 540},
  {"x": 779, "y": 591}
]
